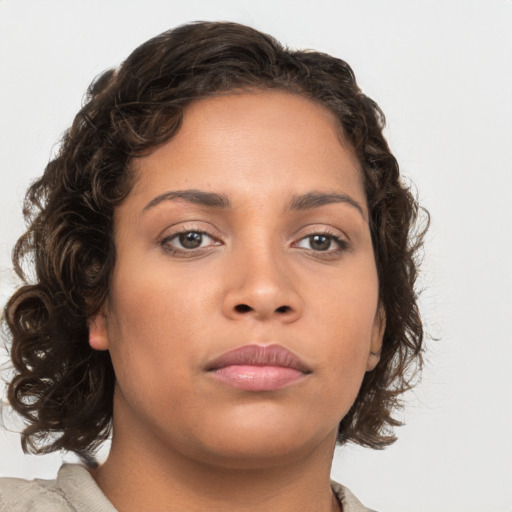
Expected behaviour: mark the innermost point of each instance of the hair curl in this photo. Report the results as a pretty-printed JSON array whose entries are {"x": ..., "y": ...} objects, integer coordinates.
[{"x": 62, "y": 387}]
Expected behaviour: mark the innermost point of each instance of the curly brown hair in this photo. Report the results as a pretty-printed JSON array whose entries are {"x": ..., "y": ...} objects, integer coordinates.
[{"x": 62, "y": 387}]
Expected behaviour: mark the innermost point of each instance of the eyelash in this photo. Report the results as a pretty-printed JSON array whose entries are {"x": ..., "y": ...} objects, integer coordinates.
[
  {"x": 342, "y": 244},
  {"x": 184, "y": 252}
]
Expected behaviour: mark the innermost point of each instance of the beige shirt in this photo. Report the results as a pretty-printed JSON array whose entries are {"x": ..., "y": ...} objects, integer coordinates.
[{"x": 75, "y": 490}]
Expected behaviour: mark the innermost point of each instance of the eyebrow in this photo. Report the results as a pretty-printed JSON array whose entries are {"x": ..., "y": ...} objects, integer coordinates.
[
  {"x": 213, "y": 200},
  {"x": 318, "y": 199},
  {"x": 208, "y": 199}
]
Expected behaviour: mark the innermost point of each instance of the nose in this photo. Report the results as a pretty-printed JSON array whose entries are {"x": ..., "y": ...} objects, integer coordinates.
[{"x": 260, "y": 286}]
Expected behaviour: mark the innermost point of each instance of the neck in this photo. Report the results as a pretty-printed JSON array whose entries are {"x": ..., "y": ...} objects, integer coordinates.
[{"x": 152, "y": 476}]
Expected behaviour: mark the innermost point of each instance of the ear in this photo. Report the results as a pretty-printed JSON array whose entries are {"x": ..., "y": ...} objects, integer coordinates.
[
  {"x": 98, "y": 338},
  {"x": 378, "y": 328}
]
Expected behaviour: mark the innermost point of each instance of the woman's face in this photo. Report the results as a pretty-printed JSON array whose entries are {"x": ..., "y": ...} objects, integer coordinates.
[{"x": 243, "y": 307}]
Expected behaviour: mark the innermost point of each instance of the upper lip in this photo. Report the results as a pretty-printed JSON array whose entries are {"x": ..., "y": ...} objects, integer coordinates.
[{"x": 259, "y": 355}]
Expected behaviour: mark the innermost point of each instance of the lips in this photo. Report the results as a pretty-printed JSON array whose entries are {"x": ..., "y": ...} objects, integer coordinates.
[{"x": 258, "y": 368}]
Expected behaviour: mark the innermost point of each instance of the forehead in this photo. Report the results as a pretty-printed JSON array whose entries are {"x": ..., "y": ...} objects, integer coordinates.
[
  {"x": 236, "y": 104},
  {"x": 263, "y": 113},
  {"x": 271, "y": 139}
]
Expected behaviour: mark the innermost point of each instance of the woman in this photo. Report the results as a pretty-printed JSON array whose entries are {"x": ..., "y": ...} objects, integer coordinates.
[{"x": 224, "y": 280}]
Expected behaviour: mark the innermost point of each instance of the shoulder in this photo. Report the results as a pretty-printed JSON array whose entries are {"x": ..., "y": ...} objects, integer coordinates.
[
  {"x": 17, "y": 495},
  {"x": 73, "y": 490},
  {"x": 347, "y": 499}
]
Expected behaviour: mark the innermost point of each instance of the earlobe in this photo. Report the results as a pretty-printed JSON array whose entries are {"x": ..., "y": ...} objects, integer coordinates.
[
  {"x": 98, "y": 338},
  {"x": 378, "y": 328}
]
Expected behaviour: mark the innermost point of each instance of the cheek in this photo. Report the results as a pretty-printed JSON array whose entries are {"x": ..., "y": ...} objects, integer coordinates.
[
  {"x": 346, "y": 323},
  {"x": 158, "y": 320},
  {"x": 137, "y": 332},
  {"x": 154, "y": 300},
  {"x": 345, "y": 365}
]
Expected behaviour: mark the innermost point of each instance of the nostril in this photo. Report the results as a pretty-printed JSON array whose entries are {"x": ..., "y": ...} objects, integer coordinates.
[
  {"x": 283, "y": 309},
  {"x": 243, "y": 308}
]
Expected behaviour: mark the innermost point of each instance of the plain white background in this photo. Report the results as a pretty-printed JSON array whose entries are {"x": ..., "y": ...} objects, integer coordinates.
[{"x": 442, "y": 72}]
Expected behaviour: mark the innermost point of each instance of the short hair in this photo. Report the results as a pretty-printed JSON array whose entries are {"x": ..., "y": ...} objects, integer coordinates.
[{"x": 61, "y": 386}]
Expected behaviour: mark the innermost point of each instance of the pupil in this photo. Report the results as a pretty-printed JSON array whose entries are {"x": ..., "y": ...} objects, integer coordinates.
[
  {"x": 320, "y": 242},
  {"x": 191, "y": 240}
]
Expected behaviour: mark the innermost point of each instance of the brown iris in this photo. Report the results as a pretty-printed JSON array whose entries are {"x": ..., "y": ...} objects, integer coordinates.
[{"x": 191, "y": 239}]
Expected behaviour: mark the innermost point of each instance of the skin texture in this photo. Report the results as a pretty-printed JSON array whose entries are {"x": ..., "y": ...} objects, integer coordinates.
[{"x": 182, "y": 439}]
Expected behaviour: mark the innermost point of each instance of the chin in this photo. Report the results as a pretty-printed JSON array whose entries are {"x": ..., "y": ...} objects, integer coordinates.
[
  {"x": 256, "y": 455},
  {"x": 258, "y": 444}
]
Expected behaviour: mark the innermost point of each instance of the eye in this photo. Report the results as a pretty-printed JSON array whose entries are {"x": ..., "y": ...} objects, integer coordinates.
[
  {"x": 187, "y": 241},
  {"x": 322, "y": 242},
  {"x": 191, "y": 240}
]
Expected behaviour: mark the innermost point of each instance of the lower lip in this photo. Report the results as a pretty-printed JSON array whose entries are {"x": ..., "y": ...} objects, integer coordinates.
[{"x": 257, "y": 378}]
